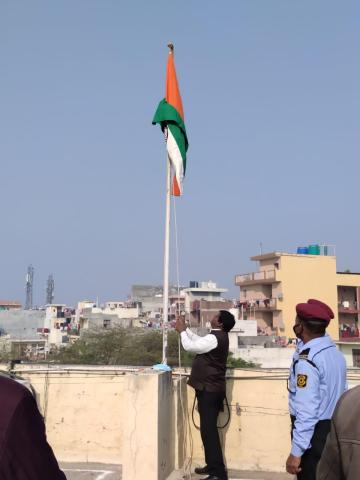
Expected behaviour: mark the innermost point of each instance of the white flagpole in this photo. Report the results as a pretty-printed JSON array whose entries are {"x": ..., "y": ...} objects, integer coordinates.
[
  {"x": 166, "y": 263},
  {"x": 167, "y": 249}
]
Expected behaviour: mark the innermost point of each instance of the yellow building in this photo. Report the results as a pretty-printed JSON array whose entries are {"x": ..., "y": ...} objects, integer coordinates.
[
  {"x": 282, "y": 280},
  {"x": 348, "y": 295}
]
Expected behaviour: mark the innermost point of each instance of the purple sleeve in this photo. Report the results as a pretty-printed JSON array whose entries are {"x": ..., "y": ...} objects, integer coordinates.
[{"x": 27, "y": 453}]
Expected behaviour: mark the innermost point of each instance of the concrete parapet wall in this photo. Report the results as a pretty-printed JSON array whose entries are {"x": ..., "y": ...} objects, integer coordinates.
[
  {"x": 258, "y": 434},
  {"x": 108, "y": 415},
  {"x": 141, "y": 419}
]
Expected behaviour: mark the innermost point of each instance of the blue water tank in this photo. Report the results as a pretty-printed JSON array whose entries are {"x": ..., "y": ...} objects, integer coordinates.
[{"x": 303, "y": 250}]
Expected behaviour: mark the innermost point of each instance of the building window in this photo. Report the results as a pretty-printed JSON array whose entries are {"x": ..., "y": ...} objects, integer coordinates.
[
  {"x": 106, "y": 323},
  {"x": 356, "y": 357}
]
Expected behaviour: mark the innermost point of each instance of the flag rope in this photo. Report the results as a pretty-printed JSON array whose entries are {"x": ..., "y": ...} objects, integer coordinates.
[{"x": 186, "y": 417}]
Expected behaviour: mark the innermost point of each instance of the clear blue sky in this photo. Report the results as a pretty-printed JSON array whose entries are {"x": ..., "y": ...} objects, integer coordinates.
[{"x": 271, "y": 92}]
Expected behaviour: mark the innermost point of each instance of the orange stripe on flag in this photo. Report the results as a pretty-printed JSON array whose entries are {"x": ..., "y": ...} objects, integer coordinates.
[
  {"x": 176, "y": 190},
  {"x": 172, "y": 93}
]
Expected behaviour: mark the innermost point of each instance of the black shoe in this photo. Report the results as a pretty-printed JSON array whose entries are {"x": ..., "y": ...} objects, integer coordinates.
[
  {"x": 214, "y": 477},
  {"x": 201, "y": 470}
]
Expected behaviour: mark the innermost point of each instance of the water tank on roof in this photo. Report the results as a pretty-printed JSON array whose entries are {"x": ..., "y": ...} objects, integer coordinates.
[{"x": 314, "y": 249}]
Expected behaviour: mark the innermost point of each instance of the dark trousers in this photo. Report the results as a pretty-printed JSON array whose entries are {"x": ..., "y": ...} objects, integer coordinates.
[
  {"x": 209, "y": 405},
  {"x": 311, "y": 457}
]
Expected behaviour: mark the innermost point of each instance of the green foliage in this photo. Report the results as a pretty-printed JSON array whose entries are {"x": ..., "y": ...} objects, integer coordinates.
[
  {"x": 119, "y": 346},
  {"x": 239, "y": 362},
  {"x": 116, "y": 346}
]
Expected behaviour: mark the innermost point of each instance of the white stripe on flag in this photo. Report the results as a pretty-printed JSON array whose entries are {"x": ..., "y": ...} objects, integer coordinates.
[{"x": 175, "y": 158}]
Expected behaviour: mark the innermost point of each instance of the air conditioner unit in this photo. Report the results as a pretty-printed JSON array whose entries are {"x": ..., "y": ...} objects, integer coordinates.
[{"x": 346, "y": 304}]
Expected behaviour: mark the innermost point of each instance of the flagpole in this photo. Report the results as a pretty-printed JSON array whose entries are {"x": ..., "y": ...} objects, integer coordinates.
[{"x": 166, "y": 251}]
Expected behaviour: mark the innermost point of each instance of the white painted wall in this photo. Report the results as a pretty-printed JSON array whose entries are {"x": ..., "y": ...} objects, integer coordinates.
[
  {"x": 121, "y": 312},
  {"x": 347, "y": 352},
  {"x": 266, "y": 357}
]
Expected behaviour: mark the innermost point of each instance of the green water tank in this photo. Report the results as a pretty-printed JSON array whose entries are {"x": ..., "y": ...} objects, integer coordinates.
[{"x": 314, "y": 250}]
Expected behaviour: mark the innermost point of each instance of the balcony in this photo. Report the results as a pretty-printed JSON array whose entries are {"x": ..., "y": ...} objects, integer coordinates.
[
  {"x": 348, "y": 307},
  {"x": 265, "y": 305},
  {"x": 262, "y": 277},
  {"x": 349, "y": 336}
]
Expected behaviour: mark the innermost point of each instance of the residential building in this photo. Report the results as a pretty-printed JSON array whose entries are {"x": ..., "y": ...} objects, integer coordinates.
[
  {"x": 282, "y": 280},
  {"x": 123, "y": 309},
  {"x": 348, "y": 299},
  {"x": 59, "y": 322},
  {"x": 202, "y": 300},
  {"x": 10, "y": 305},
  {"x": 176, "y": 304},
  {"x": 112, "y": 314},
  {"x": 85, "y": 304},
  {"x": 270, "y": 294},
  {"x": 150, "y": 297}
]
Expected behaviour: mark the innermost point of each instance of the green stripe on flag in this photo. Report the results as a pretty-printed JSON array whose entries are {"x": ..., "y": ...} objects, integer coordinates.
[{"x": 167, "y": 115}]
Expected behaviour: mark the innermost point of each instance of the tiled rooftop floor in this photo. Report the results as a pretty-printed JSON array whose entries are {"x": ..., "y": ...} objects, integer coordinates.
[
  {"x": 91, "y": 471},
  {"x": 96, "y": 471},
  {"x": 238, "y": 474}
]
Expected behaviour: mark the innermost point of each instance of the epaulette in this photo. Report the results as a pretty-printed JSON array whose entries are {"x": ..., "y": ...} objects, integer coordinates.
[{"x": 304, "y": 355}]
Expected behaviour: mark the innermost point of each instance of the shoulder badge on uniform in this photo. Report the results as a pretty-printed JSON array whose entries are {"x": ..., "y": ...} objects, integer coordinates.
[
  {"x": 301, "y": 380},
  {"x": 304, "y": 354}
]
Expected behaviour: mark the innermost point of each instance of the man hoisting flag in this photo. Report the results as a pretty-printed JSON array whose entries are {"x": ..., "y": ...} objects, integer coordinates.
[{"x": 170, "y": 116}]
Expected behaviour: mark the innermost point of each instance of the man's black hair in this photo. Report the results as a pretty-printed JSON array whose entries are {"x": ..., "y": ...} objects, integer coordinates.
[
  {"x": 315, "y": 326},
  {"x": 227, "y": 320}
]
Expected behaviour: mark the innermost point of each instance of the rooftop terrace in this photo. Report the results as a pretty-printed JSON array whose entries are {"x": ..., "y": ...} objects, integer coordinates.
[{"x": 135, "y": 423}]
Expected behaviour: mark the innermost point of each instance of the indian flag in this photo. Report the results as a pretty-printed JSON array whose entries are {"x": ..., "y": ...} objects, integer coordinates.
[{"x": 170, "y": 116}]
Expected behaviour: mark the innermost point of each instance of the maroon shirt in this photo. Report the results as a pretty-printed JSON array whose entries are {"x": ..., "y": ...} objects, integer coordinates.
[{"x": 24, "y": 451}]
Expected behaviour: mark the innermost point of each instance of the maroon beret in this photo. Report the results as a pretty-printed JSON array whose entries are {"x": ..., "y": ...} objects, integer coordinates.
[
  {"x": 312, "y": 301},
  {"x": 314, "y": 310}
]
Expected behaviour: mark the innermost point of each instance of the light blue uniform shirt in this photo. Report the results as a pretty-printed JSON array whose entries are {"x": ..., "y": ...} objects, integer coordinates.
[{"x": 317, "y": 380}]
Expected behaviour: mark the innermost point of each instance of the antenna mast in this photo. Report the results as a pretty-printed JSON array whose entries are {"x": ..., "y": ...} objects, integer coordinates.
[
  {"x": 29, "y": 288},
  {"x": 50, "y": 287}
]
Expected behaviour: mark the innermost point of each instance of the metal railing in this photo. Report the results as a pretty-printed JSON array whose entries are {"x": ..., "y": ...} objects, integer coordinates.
[
  {"x": 348, "y": 306},
  {"x": 255, "y": 276},
  {"x": 264, "y": 304},
  {"x": 349, "y": 333}
]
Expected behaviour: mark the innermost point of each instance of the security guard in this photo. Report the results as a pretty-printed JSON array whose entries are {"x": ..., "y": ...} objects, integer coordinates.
[{"x": 317, "y": 379}]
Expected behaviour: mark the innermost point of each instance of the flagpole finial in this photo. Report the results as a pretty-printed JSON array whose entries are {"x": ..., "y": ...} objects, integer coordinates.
[{"x": 171, "y": 47}]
